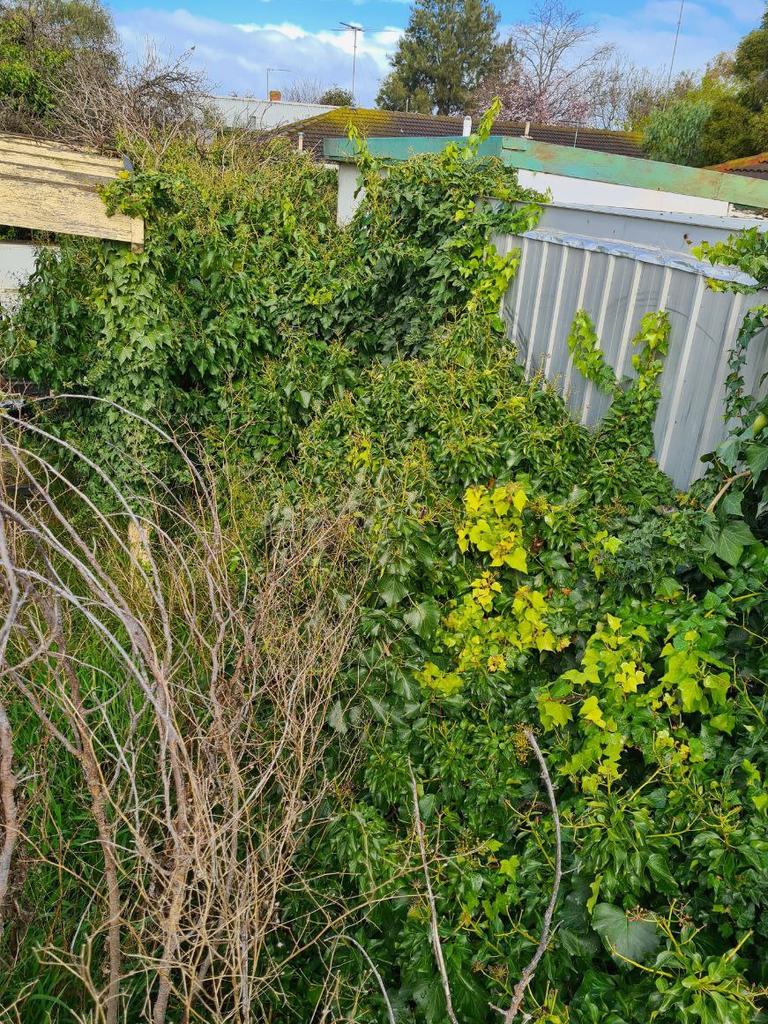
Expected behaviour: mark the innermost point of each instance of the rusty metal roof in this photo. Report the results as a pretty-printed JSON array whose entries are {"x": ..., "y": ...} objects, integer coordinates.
[
  {"x": 755, "y": 166},
  {"x": 390, "y": 124}
]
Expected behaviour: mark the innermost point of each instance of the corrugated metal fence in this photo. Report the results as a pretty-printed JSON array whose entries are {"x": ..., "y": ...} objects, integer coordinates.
[{"x": 617, "y": 282}]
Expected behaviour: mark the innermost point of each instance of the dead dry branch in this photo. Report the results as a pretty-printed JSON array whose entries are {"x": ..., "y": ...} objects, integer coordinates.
[
  {"x": 546, "y": 931},
  {"x": 191, "y": 683},
  {"x": 437, "y": 947}
]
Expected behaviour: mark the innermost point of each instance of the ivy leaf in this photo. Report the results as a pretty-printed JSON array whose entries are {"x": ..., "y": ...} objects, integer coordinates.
[
  {"x": 427, "y": 806},
  {"x": 509, "y": 867},
  {"x": 657, "y": 865},
  {"x": 554, "y": 714},
  {"x": 392, "y": 590},
  {"x": 734, "y": 537},
  {"x": 718, "y": 685},
  {"x": 728, "y": 451},
  {"x": 516, "y": 559},
  {"x": 692, "y": 696},
  {"x": 594, "y": 889},
  {"x": 590, "y": 710},
  {"x": 724, "y": 722},
  {"x": 624, "y": 938},
  {"x": 756, "y": 457},
  {"x": 423, "y": 619}
]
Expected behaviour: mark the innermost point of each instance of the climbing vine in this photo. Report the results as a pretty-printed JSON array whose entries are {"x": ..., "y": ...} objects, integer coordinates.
[{"x": 521, "y": 573}]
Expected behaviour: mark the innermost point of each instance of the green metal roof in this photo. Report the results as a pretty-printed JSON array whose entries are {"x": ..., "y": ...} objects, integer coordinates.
[{"x": 573, "y": 162}]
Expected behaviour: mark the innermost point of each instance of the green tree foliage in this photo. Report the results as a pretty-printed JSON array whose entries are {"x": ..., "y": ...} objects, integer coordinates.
[
  {"x": 336, "y": 96},
  {"x": 675, "y": 133},
  {"x": 448, "y": 48},
  {"x": 723, "y": 117},
  {"x": 527, "y": 573},
  {"x": 37, "y": 42},
  {"x": 750, "y": 66}
]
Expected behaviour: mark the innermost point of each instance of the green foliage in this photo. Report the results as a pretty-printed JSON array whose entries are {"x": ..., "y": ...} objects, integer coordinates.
[
  {"x": 737, "y": 482},
  {"x": 447, "y": 49},
  {"x": 527, "y": 572},
  {"x": 37, "y": 42},
  {"x": 750, "y": 65},
  {"x": 629, "y": 421},
  {"x": 243, "y": 268},
  {"x": 731, "y": 131},
  {"x": 337, "y": 96},
  {"x": 574, "y": 604},
  {"x": 584, "y": 346},
  {"x": 722, "y": 117},
  {"x": 674, "y": 133},
  {"x": 165, "y": 332}
]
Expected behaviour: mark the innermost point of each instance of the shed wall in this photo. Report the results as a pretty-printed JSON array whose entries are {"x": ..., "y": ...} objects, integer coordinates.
[{"x": 617, "y": 283}]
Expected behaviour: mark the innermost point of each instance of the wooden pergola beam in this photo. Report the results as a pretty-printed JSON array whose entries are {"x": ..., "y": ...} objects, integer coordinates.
[{"x": 46, "y": 187}]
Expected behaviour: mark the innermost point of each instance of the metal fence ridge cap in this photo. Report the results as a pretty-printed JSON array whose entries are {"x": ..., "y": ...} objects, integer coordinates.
[
  {"x": 643, "y": 253},
  {"x": 732, "y": 222}
]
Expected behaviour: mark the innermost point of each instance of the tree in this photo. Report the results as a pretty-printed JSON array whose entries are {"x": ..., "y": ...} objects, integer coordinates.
[
  {"x": 449, "y": 47},
  {"x": 395, "y": 95},
  {"x": 62, "y": 76},
  {"x": 337, "y": 97},
  {"x": 750, "y": 68},
  {"x": 553, "y": 71},
  {"x": 734, "y": 91},
  {"x": 675, "y": 133},
  {"x": 677, "y": 126},
  {"x": 624, "y": 95},
  {"x": 38, "y": 41},
  {"x": 310, "y": 90}
]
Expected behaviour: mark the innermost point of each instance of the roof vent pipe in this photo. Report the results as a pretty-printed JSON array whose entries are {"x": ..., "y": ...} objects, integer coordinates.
[
  {"x": 467, "y": 127},
  {"x": 527, "y": 132},
  {"x": 300, "y": 142}
]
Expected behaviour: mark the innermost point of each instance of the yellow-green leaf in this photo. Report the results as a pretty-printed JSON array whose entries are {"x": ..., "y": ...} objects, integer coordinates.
[
  {"x": 591, "y": 710},
  {"x": 553, "y": 713}
]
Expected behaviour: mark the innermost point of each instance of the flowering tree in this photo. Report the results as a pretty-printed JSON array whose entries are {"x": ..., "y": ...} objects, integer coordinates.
[{"x": 552, "y": 71}]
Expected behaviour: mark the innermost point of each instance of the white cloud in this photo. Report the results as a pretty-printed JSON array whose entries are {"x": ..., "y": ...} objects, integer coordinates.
[
  {"x": 647, "y": 33},
  {"x": 287, "y": 29},
  {"x": 236, "y": 57}
]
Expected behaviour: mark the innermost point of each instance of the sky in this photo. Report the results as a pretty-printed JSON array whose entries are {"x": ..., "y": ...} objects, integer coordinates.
[{"x": 236, "y": 41}]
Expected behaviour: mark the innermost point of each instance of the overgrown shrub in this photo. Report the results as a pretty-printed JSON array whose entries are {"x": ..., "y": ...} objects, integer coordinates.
[
  {"x": 522, "y": 573},
  {"x": 243, "y": 263}
]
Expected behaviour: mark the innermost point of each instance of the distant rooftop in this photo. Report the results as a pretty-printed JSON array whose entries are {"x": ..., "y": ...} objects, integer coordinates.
[
  {"x": 335, "y": 123},
  {"x": 263, "y": 115},
  {"x": 751, "y": 166}
]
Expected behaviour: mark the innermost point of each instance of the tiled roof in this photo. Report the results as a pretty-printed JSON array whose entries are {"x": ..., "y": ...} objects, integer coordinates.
[
  {"x": 751, "y": 166},
  {"x": 387, "y": 123}
]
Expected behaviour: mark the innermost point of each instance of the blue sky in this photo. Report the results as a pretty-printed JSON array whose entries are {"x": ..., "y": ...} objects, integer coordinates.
[{"x": 235, "y": 41}]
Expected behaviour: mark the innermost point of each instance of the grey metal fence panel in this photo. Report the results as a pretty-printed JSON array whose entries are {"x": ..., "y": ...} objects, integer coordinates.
[{"x": 617, "y": 282}]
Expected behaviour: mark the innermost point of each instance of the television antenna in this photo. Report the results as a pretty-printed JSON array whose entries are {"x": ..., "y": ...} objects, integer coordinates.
[
  {"x": 355, "y": 29},
  {"x": 674, "y": 47}
]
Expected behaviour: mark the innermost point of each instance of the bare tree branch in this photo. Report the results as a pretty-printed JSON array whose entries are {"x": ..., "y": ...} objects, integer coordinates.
[
  {"x": 374, "y": 971},
  {"x": 553, "y": 68},
  {"x": 195, "y": 699},
  {"x": 435, "y": 931},
  {"x": 546, "y": 931}
]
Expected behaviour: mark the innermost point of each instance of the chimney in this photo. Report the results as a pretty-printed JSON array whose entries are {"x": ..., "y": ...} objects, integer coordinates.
[
  {"x": 275, "y": 95},
  {"x": 467, "y": 127}
]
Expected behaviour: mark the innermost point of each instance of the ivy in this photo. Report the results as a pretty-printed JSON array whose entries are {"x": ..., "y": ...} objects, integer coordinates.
[{"x": 521, "y": 572}]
